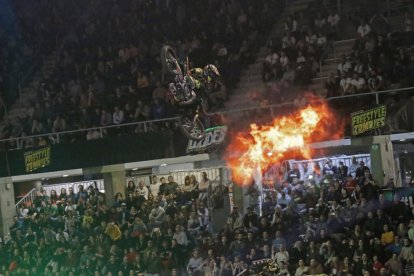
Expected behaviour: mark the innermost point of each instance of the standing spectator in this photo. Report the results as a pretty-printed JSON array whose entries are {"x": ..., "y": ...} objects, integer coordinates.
[
  {"x": 203, "y": 187},
  {"x": 154, "y": 187}
]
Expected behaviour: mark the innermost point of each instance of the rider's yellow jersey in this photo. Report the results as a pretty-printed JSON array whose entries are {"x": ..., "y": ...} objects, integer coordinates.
[{"x": 197, "y": 77}]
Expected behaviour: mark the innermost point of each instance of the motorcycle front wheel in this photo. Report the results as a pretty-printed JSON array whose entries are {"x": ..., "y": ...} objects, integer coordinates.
[
  {"x": 169, "y": 60},
  {"x": 192, "y": 127}
]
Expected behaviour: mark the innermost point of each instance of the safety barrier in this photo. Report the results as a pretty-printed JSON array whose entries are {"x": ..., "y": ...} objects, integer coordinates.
[{"x": 147, "y": 126}]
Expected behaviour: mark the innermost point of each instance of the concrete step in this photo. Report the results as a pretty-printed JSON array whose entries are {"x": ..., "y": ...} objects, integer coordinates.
[
  {"x": 256, "y": 66},
  {"x": 253, "y": 77},
  {"x": 15, "y": 112},
  {"x": 249, "y": 86}
]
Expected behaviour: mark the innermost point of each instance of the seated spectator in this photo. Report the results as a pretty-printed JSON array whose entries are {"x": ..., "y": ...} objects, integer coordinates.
[
  {"x": 363, "y": 29},
  {"x": 344, "y": 66},
  {"x": 358, "y": 84},
  {"x": 387, "y": 236},
  {"x": 394, "y": 266},
  {"x": 118, "y": 116},
  {"x": 281, "y": 256},
  {"x": 302, "y": 268},
  {"x": 375, "y": 82},
  {"x": 315, "y": 267}
]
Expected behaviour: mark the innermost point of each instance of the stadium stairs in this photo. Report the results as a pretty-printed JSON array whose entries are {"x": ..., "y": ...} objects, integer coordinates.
[
  {"x": 251, "y": 83},
  {"x": 251, "y": 78},
  {"x": 29, "y": 93},
  {"x": 395, "y": 11}
]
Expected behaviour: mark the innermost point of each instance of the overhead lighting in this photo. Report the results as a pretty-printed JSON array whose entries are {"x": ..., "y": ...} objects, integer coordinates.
[
  {"x": 402, "y": 140},
  {"x": 65, "y": 175},
  {"x": 135, "y": 169},
  {"x": 163, "y": 165}
]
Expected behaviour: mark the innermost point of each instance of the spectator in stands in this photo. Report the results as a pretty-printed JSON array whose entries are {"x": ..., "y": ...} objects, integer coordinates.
[
  {"x": 375, "y": 82},
  {"x": 358, "y": 84},
  {"x": 363, "y": 29}
]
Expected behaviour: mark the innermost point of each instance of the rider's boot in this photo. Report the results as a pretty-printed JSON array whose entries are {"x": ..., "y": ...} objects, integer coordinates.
[{"x": 174, "y": 91}]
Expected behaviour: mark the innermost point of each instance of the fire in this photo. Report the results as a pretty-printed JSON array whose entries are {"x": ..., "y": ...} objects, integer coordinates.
[{"x": 266, "y": 145}]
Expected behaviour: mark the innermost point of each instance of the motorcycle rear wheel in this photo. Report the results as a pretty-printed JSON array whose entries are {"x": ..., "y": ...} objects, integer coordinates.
[{"x": 192, "y": 127}]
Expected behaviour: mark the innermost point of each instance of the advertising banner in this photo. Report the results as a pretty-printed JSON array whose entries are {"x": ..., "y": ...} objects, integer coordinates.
[
  {"x": 36, "y": 159},
  {"x": 367, "y": 120},
  {"x": 214, "y": 136}
]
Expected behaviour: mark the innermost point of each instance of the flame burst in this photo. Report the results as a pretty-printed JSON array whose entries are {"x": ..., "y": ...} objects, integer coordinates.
[{"x": 267, "y": 145}]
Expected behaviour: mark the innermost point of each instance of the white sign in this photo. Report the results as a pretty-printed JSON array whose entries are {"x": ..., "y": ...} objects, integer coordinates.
[{"x": 214, "y": 136}]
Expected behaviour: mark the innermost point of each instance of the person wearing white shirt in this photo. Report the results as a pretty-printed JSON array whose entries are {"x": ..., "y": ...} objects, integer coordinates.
[
  {"x": 364, "y": 29},
  {"x": 345, "y": 65},
  {"x": 288, "y": 41},
  {"x": 321, "y": 41},
  {"x": 359, "y": 67},
  {"x": 358, "y": 83},
  {"x": 195, "y": 264},
  {"x": 272, "y": 58},
  {"x": 142, "y": 190},
  {"x": 157, "y": 213},
  {"x": 180, "y": 236},
  {"x": 281, "y": 256},
  {"x": 93, "y": 135},
  {"x": 311, "y": 37},
  {"x": 301, "y": 58},
  {"x": 302, "y": 269},
  {"x": 284, "y": 200},
  {"x": 333, "y": 19},
  {"x": 345, "y": 84},
  {"x": 154, "y": 186},
  {"x": 118, "y": 116},
  {"x": 319, "y": 21}
]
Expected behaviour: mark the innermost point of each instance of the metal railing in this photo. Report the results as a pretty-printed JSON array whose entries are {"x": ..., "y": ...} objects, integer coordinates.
[
  {"x": 376, "y": 93},
  {"x": 28, "y": 198},
  {"x": 146, "y": 126}
]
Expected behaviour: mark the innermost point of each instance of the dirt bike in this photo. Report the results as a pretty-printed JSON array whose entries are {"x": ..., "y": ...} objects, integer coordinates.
[{"x": 191, "y": 106}]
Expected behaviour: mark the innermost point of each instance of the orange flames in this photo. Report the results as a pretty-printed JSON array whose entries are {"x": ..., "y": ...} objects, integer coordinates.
[{"x": 267, "y": 145}]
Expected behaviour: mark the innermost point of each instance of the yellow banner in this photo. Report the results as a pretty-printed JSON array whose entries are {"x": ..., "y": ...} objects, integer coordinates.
[
  {"x": 366, "y": 120},
  {"x": 36, "y": 159}
]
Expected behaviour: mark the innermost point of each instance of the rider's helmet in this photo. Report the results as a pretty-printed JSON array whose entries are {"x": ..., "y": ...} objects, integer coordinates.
[{"x": 210, "y": 73}]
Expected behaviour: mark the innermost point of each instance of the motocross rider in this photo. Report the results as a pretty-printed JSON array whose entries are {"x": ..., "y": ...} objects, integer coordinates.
[{"x": 198, "y": 79}]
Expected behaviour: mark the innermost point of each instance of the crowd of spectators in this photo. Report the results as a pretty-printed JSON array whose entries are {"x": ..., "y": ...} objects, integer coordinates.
[
  {"x": 381, "y": 57},
  {"x": 152, "y": 230},
  {"x": 295, "y": 58},
  {"x": 320, "y": 219},
  {"x": 108, "y": 70},
  {"x": 29, "y": 32}
]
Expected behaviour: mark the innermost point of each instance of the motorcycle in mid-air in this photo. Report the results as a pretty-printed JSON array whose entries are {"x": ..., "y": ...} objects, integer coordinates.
[{"x": 191, "y": 109}]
